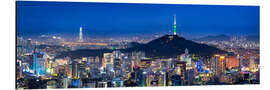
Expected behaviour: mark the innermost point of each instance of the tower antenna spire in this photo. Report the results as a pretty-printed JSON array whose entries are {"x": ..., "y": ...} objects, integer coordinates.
[{"x": 174, "y": 26}]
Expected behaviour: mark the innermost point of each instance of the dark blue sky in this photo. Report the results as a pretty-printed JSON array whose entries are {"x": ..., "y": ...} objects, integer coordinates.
[{"x": 134, "y": 19}]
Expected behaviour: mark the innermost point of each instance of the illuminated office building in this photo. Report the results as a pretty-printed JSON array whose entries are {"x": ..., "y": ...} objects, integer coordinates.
[
  {"x": 146, "y": 62},
  {"x": 118, "y": 67},
  {"x": 189, "y": 76},
  {"x": 199, "y": 66},
  {"x": 166, "y": 63},
  {"x": 221, "y": 65},
  {"x": 137, "y": 56},
  {"x": 252, "y": 64},
  {"x": 240, "y": 59},
  {"x": 75, "y": 69},
  {"x": 180, "y": 67},
  {"x": 38, "y": 63},
  {"x": 232, "y": 62},
  {"x": 214, "y": 64},
  {"x": 186, "y": 57},
  {"x": 117, "y": 54},
  {"x": 108, "y": 59},
  {"x": 29, "y": 42},
  {"x": 19, "y": 69}
]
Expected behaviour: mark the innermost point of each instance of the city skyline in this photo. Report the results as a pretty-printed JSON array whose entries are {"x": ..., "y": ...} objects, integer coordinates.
[{"x": 104, "y": 45}]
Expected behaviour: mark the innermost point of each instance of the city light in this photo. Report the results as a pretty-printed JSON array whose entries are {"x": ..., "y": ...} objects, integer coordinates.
[{"x": 101, "y": 49}]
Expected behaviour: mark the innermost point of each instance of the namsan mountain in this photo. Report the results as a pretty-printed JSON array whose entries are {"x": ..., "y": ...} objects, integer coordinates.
[{"x": 173, "y": 45}]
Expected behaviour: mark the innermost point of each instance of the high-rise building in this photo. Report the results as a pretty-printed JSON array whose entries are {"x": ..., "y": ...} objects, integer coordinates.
[
  {"x": 117, "y": 54},
  {"x": 117, "y": 66},
  {"x": 108, "y": 59},
  {"x": 232, "y": 62},
  {"x": 186, "y": 57},
  {"x": 29, "y": 42},
  {"x": 221, "y": 65},
  {"x": 38, "y": 63},
  {"x": 199, "y": 66},
  {"x": 252, "y": 64},
  {"x": 74, "y": 69},
  {"x": 19, "y": 69},
  {"x": 146, "y": 62},
  {"x": 214, "y": 64},
  {"x": 137, "y": 56},
  {"x": 80, "y": 35},
  {"x": 240, "y": 58}
]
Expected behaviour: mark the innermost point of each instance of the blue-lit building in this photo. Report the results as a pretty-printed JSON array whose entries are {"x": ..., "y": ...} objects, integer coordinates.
[
  {"x": 76, "y": 83},
  {"x": 38, "y": 63},
  {"x": 199, "y": 65}
]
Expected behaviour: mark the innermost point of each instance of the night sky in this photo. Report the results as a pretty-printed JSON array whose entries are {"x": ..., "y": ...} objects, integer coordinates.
[{"x": 34, "y": 18}]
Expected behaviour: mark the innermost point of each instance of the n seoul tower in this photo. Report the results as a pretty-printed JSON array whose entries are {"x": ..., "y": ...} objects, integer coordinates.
[{"x": 174, "y": 26}]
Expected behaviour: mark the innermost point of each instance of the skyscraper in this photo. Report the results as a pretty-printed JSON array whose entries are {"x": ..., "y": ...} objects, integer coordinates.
[
  {"x": 29, "y": 42},
  {"x": 74, "y": 69},
  {"x": 80, "y": 35},
  {"x": 38, "y": 63},
  {"x": 187, "y": 59}
]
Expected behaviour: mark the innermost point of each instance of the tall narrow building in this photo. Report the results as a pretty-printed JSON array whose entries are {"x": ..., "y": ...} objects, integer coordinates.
[
  {"x": 174, "y": 26},
  {"x": 80, "y": 35}
]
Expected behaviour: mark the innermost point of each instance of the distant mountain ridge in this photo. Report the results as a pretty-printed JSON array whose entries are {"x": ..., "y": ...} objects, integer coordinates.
[
  {"x": 215, "y": 38},
  {"x": 255, "y": 38}
]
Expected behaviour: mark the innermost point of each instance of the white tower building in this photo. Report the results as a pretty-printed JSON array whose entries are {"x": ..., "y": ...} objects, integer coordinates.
[{"x": 80, "y": 35}]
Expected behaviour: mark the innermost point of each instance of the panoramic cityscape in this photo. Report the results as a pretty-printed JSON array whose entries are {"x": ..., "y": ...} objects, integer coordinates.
[{"x": 109, "y": 45}]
